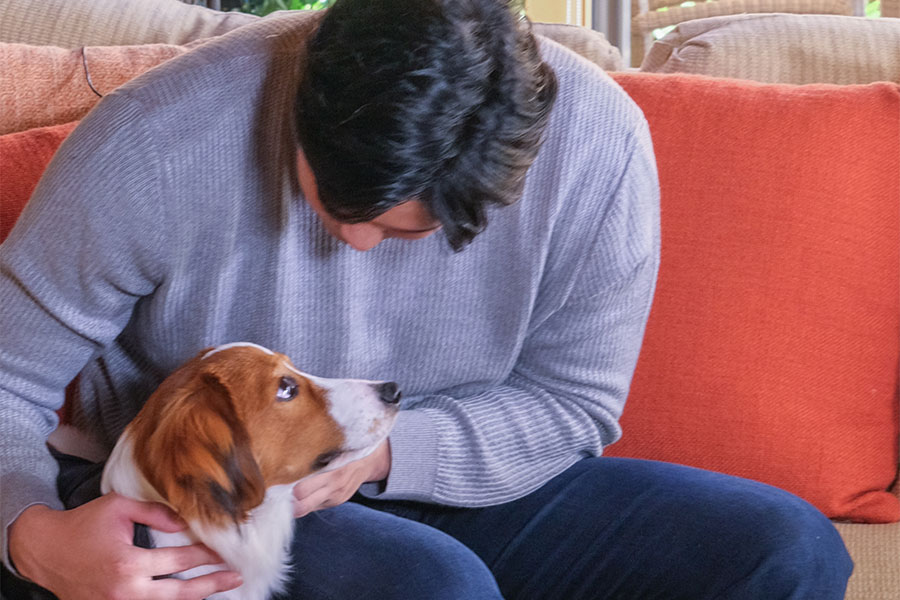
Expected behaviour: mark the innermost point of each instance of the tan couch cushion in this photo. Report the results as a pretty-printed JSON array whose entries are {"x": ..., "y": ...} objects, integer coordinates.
[
  {"x": 782, "y": 48},
  {"x": 45, "y": 85},
  {"x": 76, "y": 23},
  {"x": 876, "y": 553},
  {"x": 71, "y": 24},
  {"x": 590, "y": 44}
]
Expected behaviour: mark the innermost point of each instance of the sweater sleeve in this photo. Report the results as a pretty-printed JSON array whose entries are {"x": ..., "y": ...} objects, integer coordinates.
[
  {"x": 85, "y": 249},
  {"x": 563, "y": 398}
]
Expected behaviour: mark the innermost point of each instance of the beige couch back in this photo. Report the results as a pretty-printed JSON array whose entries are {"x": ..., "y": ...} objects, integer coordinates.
[
  {"x": 782, "y": 48},
  {"x": 73, "y": 24},
  {"x": 77, "y": 23}
]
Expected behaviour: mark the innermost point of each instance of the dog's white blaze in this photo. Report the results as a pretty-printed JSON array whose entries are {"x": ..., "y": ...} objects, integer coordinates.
[
  {"x": 356, "y": 407},
  {"x": 236, "y": 345}
]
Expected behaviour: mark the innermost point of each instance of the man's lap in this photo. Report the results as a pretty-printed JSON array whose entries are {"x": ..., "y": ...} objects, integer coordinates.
[
  {"x": 621, "y": 528},
  {"x": 352, "y": 551},
  {"x": 604, "y": 528}
]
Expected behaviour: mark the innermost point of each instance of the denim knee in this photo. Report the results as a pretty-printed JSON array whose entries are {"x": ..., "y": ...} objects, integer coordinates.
[
  {"x": 351, "y": 551},
  {"x": 800, "y": 554},
  {"x": 446, "y": 570}
]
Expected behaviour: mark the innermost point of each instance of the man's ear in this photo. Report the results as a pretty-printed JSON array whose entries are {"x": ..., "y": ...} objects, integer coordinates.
[{"x": 198, "y": 456}]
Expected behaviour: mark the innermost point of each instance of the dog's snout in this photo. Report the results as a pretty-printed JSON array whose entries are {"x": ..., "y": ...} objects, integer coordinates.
[{"x": 389, "y": 392}]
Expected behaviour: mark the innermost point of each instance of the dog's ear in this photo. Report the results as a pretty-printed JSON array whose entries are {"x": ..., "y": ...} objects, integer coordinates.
[{"x": 197, "y": 454}]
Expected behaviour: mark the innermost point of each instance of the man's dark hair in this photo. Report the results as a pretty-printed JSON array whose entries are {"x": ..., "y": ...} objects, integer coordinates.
[{"x": 443, "y": 101}]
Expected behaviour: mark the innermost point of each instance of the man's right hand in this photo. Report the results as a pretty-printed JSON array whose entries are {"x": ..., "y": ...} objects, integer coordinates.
[{"x": 87, "y": 553}]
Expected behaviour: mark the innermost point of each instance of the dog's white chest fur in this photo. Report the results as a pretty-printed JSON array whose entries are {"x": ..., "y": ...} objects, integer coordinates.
[{"x": 258, "y": 549}]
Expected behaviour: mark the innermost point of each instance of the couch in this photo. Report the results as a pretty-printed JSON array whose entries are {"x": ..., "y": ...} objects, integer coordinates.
[{"x": 773, "y": 345}]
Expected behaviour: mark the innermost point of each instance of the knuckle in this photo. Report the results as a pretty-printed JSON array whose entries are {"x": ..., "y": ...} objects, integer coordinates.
[
  {"x": 181, "y": 562},
  {"x": 194, "y": 554},
  {"x": 204, "y": 556},
  {"x": 194, "y": 589},
  {"x": 120, "y": 566},
  {"x": 121, "y": 592},
  {"x": 186, "y": 592},
  {"x": 186, "y": 558}
]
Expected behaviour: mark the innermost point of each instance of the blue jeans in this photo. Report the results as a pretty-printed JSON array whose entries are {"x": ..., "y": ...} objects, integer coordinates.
[{"x": 605, "y": 528}]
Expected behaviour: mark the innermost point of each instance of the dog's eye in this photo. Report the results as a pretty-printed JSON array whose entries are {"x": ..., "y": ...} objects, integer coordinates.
[{"x": 287, "y": 389}]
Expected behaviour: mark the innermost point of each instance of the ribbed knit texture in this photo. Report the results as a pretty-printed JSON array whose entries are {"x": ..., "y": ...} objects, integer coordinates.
[{"x": 172, "y": 220}]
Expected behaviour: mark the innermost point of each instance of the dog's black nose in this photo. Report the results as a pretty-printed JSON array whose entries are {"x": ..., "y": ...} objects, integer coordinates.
[{"x": 388, "y": 392}]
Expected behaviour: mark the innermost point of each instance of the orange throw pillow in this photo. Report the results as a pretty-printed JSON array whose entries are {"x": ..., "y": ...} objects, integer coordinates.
[
  {"x": 23, "y": 158},
  {"x": 773, "y": 343}
]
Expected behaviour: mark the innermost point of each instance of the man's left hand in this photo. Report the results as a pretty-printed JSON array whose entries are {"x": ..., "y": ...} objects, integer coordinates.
[{"x": 325, "y": 490}]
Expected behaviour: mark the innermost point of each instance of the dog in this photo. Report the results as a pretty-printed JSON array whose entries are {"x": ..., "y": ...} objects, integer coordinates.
[{"x": 222, "y": 442}]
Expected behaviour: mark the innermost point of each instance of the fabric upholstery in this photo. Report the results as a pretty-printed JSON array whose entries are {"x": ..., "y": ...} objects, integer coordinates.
[
  {"x": 115, "y": 23},
  {"x": 647, "y": 18},
  {"x": 23, "y": 158},
  {"x": 71, "y": 24},
  {"x": 772, "y": 347},
  {"x": 590, "y": 44},
  {"x": 647, "y": 21},
  {"x": 45, "y": 85},
  {"x": 876, "y": 573},
  {"x": 782, "y": 48}
]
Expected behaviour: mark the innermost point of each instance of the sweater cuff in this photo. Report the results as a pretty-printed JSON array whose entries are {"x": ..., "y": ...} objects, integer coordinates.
[
  {"x": 414, "y": 453},
  {"x": 14, "y": 504}
]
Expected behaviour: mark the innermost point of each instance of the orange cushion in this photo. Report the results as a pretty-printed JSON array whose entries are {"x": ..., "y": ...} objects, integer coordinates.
[
  {"x": 772, "y": 346},
  {"x": 23, "y": 158}
]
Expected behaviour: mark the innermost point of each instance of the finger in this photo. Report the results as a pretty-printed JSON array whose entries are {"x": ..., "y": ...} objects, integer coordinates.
[
  {"x": 334, "y": 480},
  {"x": 298, "y": 509},
  {"x": 311, "y": 485},
  {"x": 194, "y": 589},
  {"x": 152, "y": 514},
  {"x": 311, "y": 503},
  {"x": 165, "y": 561}
]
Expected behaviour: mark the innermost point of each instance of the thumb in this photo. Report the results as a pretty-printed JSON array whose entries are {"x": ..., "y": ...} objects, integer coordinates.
[{"x": 152, "y": 514}]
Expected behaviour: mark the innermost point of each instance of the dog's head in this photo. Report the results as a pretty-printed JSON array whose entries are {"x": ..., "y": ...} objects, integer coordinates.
[{"x": 239, "y": 418}]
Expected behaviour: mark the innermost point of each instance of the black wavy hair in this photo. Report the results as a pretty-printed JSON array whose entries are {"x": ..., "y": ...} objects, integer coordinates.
[{"x": 442, "y": 101}]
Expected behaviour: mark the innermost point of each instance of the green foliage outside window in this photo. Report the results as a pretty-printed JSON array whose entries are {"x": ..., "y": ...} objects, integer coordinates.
[
  {"x": 873, "y": 9},
  {"x": 263, "y": 7}
]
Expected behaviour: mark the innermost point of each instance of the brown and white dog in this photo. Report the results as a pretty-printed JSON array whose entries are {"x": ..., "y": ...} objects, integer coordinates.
[{"x": 223, "y": 440}]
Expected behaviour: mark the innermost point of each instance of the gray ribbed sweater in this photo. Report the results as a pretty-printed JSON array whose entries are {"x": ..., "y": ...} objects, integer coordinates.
[{"x": 172, "y": 220}]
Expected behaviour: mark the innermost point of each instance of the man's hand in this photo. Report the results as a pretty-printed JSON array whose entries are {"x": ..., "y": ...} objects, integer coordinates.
[
  {"x": 87, "y": 553},
  {"x": 331, "y": 488}
]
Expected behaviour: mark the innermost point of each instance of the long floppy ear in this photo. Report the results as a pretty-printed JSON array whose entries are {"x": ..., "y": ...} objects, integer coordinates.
[{"x": 196, "y": 452}]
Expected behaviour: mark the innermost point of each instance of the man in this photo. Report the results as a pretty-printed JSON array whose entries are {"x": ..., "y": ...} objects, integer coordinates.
[{"x": 210, "y": 201}]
